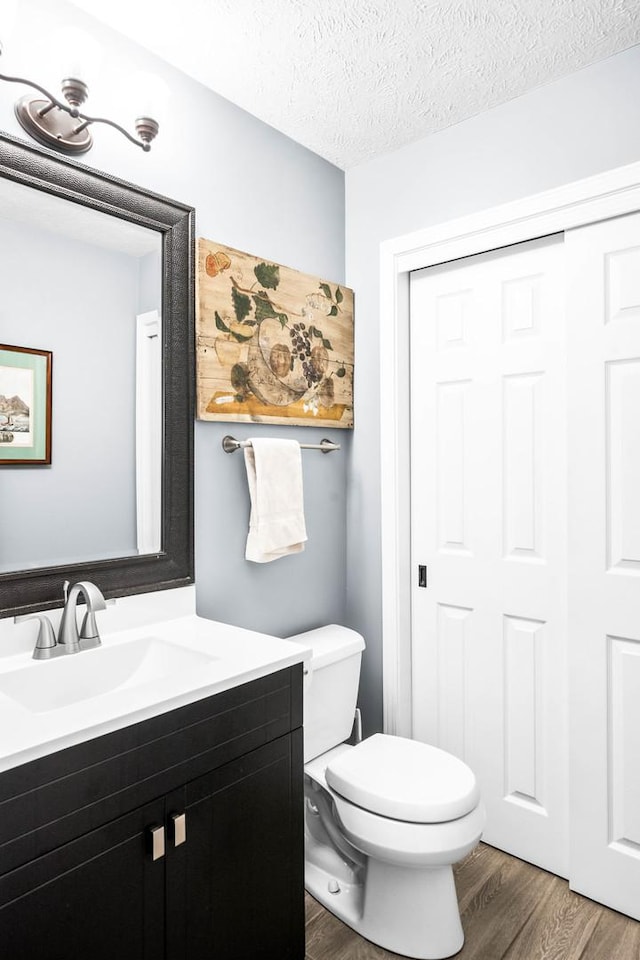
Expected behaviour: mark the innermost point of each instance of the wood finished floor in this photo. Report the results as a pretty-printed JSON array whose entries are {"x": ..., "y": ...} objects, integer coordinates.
[{"x": 510, "y": 911}]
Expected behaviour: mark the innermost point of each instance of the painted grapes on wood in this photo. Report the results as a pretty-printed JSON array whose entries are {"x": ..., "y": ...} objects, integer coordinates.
[{"x": 273, "y": 345}]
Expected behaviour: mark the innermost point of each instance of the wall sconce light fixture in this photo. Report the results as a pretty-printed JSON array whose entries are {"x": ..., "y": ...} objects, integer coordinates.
[{"x": 61, "y": 125}]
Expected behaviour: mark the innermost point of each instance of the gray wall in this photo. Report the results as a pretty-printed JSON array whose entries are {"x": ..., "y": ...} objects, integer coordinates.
[
  {"x": 573, "y": 128},
  {"x": 256, "y": 190},
  {"x": 80, "y": 302}
]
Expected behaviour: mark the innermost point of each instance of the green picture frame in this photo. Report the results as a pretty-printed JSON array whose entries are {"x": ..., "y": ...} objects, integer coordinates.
[{"x": 25, "y": 406}]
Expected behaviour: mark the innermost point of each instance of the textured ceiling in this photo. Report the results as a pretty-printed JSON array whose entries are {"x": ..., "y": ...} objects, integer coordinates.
[
  {"x": 19, "y": 203},
  {"x": 351, "y": 79}
]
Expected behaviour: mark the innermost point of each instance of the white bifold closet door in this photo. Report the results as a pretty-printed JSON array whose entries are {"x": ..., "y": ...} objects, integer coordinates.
[
  {"x": 489, "y": 515},
  {"x": 526, "y": 511},
  {"x": 603, "y": 313}
]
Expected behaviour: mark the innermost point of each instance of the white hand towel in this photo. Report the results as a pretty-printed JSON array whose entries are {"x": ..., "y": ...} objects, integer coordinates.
[{"x": 276, "y": 525}]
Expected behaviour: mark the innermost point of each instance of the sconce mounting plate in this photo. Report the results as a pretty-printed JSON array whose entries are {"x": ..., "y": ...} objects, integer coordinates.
[{"x": 53, "y": 128}]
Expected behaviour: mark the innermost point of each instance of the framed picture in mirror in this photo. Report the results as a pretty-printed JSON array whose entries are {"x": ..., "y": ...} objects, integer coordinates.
[{"x": 25, "y": 406}]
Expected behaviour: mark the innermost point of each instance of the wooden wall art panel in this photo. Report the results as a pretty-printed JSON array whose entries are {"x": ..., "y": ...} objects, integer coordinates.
[{"x": 273, "y": 345}]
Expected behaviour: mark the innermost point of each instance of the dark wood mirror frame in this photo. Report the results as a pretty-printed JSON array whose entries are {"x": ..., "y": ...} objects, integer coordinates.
[{"x": 40, "y": 588}]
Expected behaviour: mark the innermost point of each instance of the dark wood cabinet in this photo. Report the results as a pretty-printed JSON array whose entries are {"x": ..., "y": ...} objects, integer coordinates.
[
  {"x": 98, "y": 896},
  {"x": 77, "y": 874}
]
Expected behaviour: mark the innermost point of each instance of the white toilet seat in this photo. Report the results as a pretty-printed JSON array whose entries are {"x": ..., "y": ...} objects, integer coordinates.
[
  {"x": 409, "y": 844},
  {"x": 403, "y": 842},
  {"x": 404, "y": 779}
]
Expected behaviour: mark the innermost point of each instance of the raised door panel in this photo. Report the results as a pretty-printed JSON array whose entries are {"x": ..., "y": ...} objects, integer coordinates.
[
  {"x": 523, "y": 466},
  {"x": 622, "y": 384},
  {"x": 524, "y": 648},
  {"x": 99, "y": 897},
  {"x": 452, "y": 404},
  {"x": 455, "y": 634},
  {"x": 622, "y": 291},
  {"x": 624, "y": 726}
]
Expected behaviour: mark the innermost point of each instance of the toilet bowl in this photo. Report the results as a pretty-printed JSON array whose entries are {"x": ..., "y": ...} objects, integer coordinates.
[{"x": 385, "y": 819}]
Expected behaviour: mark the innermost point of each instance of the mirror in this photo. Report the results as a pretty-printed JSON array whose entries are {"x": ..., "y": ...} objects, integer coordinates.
[
  {"x": 101, "y": 325},
  {"x": 99, "y": 273}
]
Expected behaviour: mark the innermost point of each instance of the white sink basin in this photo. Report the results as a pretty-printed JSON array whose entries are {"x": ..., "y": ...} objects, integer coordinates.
[
  {"x": 53, "y": 684},
  {"x": 137, "y": 673}
]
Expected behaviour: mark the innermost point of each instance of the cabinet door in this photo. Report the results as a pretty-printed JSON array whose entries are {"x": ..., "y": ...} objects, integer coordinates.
[
  {"x": 99, "y": 897},
  {"x": 235, "y": 888}
]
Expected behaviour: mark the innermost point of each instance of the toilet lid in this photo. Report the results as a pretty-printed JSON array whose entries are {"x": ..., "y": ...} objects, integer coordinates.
[{"x": 404, "y": 780}]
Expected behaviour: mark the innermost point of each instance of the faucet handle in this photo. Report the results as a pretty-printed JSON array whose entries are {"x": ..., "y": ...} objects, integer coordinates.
[{"x": 46, "y": 642}]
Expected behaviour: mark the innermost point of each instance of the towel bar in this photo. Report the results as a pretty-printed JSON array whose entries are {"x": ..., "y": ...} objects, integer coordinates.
[{"x": 230, "y": 444}]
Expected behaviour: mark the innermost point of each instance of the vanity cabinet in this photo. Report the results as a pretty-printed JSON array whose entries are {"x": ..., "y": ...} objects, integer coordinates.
[{"x": 220, "y": 783}]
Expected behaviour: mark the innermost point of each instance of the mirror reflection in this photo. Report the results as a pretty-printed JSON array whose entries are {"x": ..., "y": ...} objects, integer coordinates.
[{"x": 86, "y": 287}]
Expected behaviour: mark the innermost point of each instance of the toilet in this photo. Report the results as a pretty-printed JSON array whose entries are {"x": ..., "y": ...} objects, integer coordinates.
[{"x": 385, "y": 819}]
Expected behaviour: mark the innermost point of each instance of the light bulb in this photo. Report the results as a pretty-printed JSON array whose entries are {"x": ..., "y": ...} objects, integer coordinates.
[
  {"x": 7, "y": 25},
  {"x": 150, "y": 95},
  {"x": 78, "y": 53},
  {"x": 9, "y": 37}
]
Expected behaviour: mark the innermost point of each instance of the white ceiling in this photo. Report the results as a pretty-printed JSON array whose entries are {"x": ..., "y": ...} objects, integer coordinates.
[
  {"x": 45, "y": 211},
  {"x": 352, "y": 79}
]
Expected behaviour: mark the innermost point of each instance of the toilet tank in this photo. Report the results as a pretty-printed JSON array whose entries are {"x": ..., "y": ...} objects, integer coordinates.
[{"x": 330, "y": 686}]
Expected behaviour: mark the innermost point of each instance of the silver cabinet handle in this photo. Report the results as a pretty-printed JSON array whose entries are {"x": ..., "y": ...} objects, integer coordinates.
[
  {"x": 179, "y": 828},
  {"x": 156, "y": 842}
]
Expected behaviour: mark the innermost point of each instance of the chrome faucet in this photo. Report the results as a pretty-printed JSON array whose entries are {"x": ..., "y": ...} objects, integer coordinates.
[
  {"x": 69, "y": 640},
  {"x": 88, "y": 634}
]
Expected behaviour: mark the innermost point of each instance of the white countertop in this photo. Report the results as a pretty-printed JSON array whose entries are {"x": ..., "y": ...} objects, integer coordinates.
[{"x": 234, "y": 656}]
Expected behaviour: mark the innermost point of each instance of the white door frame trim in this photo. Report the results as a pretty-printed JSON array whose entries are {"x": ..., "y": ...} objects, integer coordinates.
[
  {"x": 149, "y": 431},
  {"x": 609, "y": 194}
]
